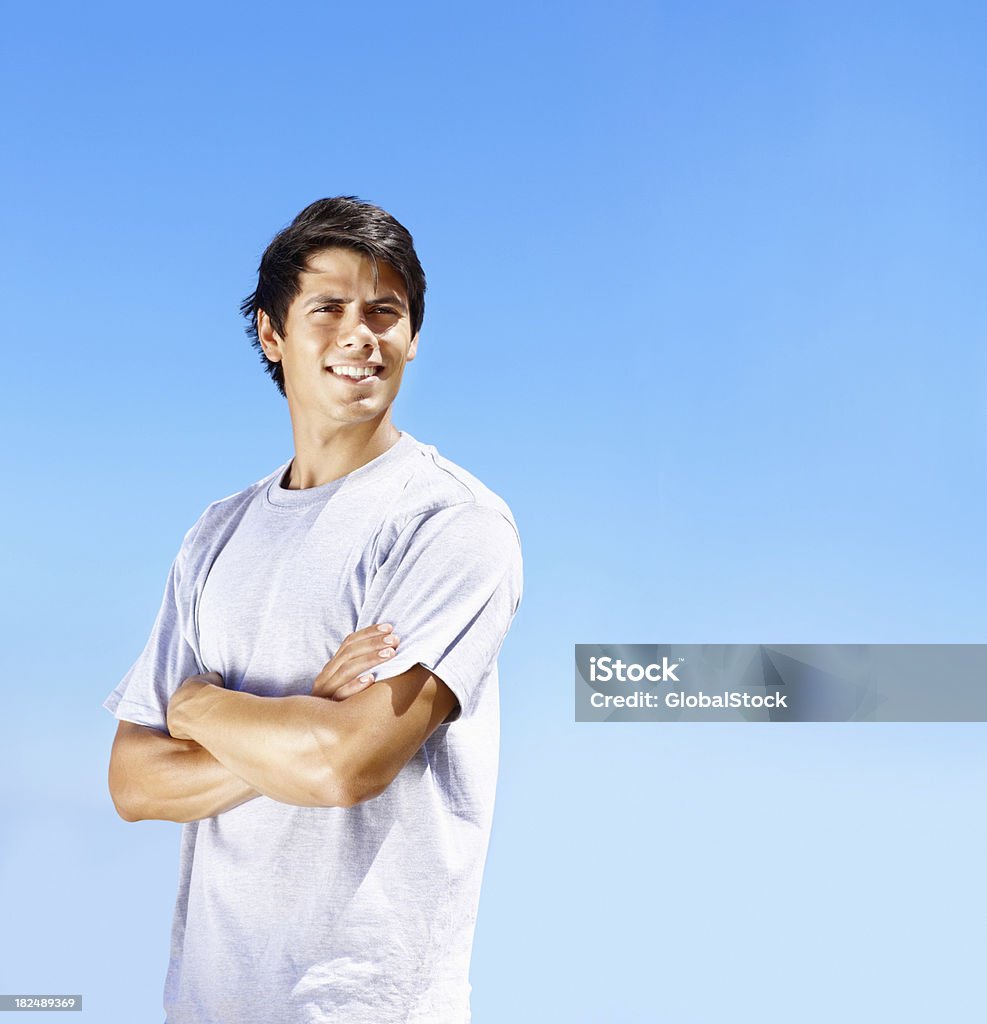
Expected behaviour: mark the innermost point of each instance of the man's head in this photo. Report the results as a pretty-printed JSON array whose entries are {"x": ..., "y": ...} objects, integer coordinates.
[{"x": 342, "y": 222}]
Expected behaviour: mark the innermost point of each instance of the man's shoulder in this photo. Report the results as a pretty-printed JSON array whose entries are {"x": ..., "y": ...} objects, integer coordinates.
[
  {"x": 220, "y": 515},
  {"x": 228, "y": 505},
  {"x": 437, "y": 484}
]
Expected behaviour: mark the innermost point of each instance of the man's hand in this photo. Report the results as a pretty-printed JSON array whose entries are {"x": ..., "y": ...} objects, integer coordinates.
[
  {"x": 180, "y": 700},
  {"x": 344, "y": 675},
  {"x": 348, "y": 672}
]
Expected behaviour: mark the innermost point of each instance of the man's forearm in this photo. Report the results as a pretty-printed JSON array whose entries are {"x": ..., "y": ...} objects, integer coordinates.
[
  {"x": 313, "y": 751},
  {"x": 156, "y": 777},
  {"x": 269, "y": 742}
]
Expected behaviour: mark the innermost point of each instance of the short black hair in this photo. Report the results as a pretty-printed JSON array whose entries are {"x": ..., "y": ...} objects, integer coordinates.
[{"x": 345, "y": 222}]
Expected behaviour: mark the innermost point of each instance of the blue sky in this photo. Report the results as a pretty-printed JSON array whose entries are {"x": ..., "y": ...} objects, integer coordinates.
[{"x": 704, "y": 306}]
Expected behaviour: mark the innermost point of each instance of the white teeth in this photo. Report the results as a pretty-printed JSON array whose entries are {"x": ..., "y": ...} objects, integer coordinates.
[{"x": 355, "y": 371}]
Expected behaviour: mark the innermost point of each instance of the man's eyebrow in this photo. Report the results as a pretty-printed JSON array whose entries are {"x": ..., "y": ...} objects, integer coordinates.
[
  {"x": 395, "y": 300},
  {"x": 326, "y": 300}
]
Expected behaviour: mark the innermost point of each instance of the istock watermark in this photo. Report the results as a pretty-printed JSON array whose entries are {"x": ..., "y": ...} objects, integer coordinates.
[
  {"x": 781, "y": 683},
  {"x": 602, "y": 670}
]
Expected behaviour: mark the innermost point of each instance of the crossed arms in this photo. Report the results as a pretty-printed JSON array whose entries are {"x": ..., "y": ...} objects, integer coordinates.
[{"x": 338, "y": 747}]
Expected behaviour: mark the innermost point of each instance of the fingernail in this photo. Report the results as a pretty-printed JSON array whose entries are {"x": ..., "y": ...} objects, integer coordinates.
[
  {"x": 367, "y": 678},
  {"x": 385, "y": 627},
  {"x": 390, "y": 639},
  {"x": 387, "y": 653}
]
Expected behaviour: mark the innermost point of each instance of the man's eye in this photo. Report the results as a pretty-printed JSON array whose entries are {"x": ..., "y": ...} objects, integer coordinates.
[
  {"x": 384, "y": 309},
  {"x": 327, "y": 309}
]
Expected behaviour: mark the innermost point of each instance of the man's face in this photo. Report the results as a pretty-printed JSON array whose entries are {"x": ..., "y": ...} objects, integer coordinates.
[{"x": 345, "y": 342}]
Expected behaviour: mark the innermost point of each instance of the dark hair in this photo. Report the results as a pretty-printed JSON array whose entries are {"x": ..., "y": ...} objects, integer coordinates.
[{"x": 345, "y": 222}]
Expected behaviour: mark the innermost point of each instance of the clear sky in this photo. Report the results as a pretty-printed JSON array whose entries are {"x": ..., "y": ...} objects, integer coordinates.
[{"x": 705, "y": 307}]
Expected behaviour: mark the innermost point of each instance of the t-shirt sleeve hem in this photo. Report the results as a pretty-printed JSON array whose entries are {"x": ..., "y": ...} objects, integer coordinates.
[
  {"x": 126, "y": 710},
  {"x": 398, "y": 667}
]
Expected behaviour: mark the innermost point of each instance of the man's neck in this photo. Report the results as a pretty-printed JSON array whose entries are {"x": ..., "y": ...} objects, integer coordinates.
[{"x": 320, "y": 458}]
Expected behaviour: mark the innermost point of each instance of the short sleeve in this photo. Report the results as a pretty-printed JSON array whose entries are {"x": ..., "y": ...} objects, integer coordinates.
[
  {"x": 450, "y": 585},
  {"x": 168, "y": 658}
]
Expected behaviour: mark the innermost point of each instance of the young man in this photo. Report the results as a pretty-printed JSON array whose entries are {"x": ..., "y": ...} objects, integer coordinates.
[{"x": 317, "y": 702}]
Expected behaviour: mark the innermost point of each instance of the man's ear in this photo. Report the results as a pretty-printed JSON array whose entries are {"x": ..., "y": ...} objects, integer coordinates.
[
  {"x": 412, "y": 348},
  {"x": 270, "y": 340}
]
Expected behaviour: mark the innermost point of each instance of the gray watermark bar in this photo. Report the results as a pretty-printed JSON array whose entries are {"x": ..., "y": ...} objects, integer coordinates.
[
  {"x": 781, "y": 683},
  {"x": 46, "y": 1002}
]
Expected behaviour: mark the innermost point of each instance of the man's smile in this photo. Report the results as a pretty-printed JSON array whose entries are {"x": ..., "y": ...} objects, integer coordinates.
[{"x": 356, "y": 374}]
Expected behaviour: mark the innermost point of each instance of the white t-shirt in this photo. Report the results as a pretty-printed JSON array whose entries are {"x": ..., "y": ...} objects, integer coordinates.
[{"x": 312, "y": 915}]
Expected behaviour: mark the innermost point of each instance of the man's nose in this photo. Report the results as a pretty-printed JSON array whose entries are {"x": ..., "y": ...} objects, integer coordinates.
[{"x": 357, "y": 334}]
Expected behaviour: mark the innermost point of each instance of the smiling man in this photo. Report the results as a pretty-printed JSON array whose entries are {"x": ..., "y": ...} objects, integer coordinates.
[{"x": 318, "y": 699}]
